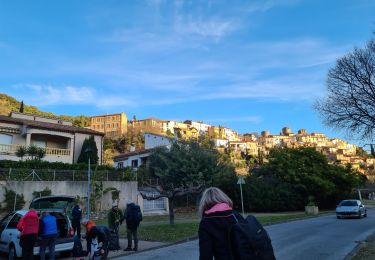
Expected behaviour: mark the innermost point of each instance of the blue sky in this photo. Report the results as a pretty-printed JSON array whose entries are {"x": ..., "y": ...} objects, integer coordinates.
[{"x": 249, "y": 65}]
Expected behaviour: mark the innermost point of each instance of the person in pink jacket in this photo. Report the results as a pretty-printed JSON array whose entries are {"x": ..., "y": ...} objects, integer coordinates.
[{"x": 29, "y": 227}]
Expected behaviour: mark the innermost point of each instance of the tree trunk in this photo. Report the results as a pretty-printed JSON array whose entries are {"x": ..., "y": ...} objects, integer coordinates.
[{"x": 171, "y": 211}]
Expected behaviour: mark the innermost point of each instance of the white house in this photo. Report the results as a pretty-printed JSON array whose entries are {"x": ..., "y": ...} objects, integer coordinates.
[
  {"x": 135, "y": 159},
  {"x": 155, "y": 140},
  {"x": 62, "y": 141}
]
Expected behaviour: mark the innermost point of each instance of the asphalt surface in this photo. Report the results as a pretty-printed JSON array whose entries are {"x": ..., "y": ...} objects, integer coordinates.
[{"x": 310, "y": 239}]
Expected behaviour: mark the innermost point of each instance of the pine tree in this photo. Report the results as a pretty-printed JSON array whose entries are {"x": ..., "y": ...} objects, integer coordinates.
[
  {"x": 89, "y": 150},
  {"x": 21, "y": 107}
]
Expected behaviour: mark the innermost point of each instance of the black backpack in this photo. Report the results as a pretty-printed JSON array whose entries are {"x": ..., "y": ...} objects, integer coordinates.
[
  {"x": 249, "y": 240},
  {"x": 135, "y": 214},
  {"x": 77, "y": 250}
]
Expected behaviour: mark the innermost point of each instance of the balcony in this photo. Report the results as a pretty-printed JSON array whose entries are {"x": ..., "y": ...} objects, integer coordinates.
[{"x": 12, "y": 148}]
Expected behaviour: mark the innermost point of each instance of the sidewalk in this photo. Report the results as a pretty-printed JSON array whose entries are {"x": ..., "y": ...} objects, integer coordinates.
[{"x": 142, "y": 246}]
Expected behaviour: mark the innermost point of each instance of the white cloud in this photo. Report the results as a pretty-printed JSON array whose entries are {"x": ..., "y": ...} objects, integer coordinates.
[
  {"x": 249, "y": 119},
  {"x": 210, "y": 28}
]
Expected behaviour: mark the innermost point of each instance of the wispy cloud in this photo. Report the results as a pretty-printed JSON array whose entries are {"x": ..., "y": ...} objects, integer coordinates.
[
  {"x": 46, "y": 95},
  {"x": 248, "y": 119}
]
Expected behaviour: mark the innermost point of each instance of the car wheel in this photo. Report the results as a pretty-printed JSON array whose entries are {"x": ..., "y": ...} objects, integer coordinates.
[
  {"x": 365, "y": 215},
  {"x": 338, "y": 217},
  {"x": 359, "y": 215},
  {"x": 12, "y": 254}
]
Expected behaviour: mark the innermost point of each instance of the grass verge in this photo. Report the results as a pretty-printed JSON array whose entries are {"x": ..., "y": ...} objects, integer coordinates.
[{"x": 367, "y": 251}]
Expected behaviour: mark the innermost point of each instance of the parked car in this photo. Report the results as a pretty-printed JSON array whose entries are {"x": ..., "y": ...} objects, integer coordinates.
[
  {"x": 351, "y": 208},
  {"x": 56, "y": 206}
]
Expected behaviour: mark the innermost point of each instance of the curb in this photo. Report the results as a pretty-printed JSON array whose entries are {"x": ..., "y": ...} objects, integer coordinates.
[
  {"x": 358, "y": 247},
  {"x": 157, "y": 247}
]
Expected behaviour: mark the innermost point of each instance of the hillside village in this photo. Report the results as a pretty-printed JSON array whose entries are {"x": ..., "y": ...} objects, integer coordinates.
[
  {"x": 240, "y": 147},
  {"x": 130, "y": 135}
]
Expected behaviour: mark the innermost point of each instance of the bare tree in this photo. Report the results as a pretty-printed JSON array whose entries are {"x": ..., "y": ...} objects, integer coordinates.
[{"x": 350, "y": 103}]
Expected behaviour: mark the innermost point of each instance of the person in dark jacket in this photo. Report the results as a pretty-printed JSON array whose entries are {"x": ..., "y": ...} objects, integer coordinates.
[
  {"x": 48, "y": 233},
  {"x": 133, "y": 217},
  {"x": 98, "y": 235},
  {"x": 76, "y": 219},
  {"x": 114, "y": 220},
  {"x": 215, "y": 208},
  {"x": 29, "y": 227}
]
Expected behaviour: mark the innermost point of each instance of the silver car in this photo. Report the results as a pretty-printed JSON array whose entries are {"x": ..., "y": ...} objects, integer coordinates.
[
  {"x": 351, "y": 208},
  {"x": 56, "y": 206}
]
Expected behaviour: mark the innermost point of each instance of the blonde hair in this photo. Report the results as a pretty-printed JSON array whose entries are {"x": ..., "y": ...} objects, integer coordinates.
[{"x": 212, "y": 196}]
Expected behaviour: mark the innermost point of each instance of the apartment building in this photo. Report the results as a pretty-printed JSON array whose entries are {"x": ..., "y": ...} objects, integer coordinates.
[
  {"x": 112, "y": 125},
  {"x": 220, "y": 132},
  {"x": 199, "y": 125},
  {"x": 148, "y": 125}
]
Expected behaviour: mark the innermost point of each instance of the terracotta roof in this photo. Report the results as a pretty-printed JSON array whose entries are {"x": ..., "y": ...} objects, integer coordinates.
[
  {"x": 160, "y": 135},
  {"x": 128, "y": 154},
  {"x": 48, "y": 126}
]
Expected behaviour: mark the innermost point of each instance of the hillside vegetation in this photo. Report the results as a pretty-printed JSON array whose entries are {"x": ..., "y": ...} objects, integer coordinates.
[{"x": 9, "y": 104}]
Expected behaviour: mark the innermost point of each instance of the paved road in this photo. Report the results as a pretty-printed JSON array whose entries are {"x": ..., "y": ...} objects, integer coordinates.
[{"x": 309, "y": 239}]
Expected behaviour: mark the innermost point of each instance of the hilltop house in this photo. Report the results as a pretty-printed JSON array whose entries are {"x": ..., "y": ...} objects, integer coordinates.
[{"x": 61, "y": 140}]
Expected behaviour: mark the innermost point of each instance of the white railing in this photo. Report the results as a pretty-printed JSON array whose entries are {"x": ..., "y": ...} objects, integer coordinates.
[
  {"x": 12, "y": 149},
  {"x": 57, "y": 151},
  {"x": 8, "y": 148}
]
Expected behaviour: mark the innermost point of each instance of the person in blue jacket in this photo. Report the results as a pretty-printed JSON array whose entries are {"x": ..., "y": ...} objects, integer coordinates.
[{"x": 48, "y": 233}]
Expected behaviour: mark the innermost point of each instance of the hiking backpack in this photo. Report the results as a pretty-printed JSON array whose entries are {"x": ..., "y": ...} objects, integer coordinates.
[
  {"x": 135, "y": 214},
  {"x": 249, "y": 240}
]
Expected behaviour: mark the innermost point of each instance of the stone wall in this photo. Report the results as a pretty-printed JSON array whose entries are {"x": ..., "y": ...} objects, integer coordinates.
[{"x": 128, "y": 190}]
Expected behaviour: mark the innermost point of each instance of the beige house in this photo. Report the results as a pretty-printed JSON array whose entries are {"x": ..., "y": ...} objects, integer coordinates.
[
  {"x": 113, "y": 125},
  {"x": 62, "y": 141}
]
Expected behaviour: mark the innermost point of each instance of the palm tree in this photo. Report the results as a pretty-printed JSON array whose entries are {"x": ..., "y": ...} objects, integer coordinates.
[
  {"x": 41, "y": 152},
  {"x": 32, "y": 150},
  {"x": 21, "y": 152}
]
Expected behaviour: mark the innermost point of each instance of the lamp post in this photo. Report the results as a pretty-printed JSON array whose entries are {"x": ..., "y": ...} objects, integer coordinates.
[{"x": 88, "y": 153}]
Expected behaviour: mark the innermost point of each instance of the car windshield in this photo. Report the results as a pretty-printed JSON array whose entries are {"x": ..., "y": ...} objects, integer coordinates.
[{"x": 349, "y": 203}]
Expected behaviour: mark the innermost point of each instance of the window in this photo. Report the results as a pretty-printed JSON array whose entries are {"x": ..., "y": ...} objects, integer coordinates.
[
  {"x": 135, "y": 163},
  {"x": 120, "y": 165},
  {"x": 39, "y": 143},
  {"x": 6, "y": 139},
  {"x": 13, "y": 223}
]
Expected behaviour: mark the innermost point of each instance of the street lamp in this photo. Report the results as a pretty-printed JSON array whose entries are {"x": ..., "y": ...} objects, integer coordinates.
[{"x": 88, "y": 153}]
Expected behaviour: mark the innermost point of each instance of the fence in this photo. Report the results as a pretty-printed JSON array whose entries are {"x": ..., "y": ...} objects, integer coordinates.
[{"x": 11, "y": 174}]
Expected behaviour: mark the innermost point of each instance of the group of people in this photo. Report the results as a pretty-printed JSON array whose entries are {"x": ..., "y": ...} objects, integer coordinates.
[
  {"x": 101, "y": 239},
  {"x": 217, "y": 221},
  {"x": 31, "y": 227}
]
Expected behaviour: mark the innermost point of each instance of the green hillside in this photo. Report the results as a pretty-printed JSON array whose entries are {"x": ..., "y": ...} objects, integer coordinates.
[{"x": 9, "y": 104}]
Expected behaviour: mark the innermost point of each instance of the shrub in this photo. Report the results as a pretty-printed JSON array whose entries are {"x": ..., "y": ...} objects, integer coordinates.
[
  {"x": 10, "y": 197},
  {"x": 45, "y": 192}
]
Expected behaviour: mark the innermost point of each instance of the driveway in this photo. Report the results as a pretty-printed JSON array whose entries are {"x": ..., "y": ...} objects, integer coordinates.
[{"x": 315, "y": 238}]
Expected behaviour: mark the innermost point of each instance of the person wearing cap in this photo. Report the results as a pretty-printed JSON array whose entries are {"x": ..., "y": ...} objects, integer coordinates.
[
  {"x": 133, "y": 217},
  {"x": 115, "y": 217}
]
